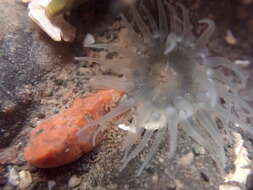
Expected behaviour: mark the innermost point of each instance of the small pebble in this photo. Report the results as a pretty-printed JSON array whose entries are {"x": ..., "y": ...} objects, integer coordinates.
[
  {"x": 55, "y": 110},
  {"x": 229, "y": 187},
  {"x": 74, "y": 181},
  {"x": 25, "y": 179},
  {"x": 19, "y": 145},
  {"x": 230, "y": 39},
  {"x": 155, "y": 178},
  {"x": 83, "y": 71},
  {"x": 243, "y": 62},
  {"x": 198, "y": 150},
  {"x": 88, "y": 39},
  {"x": 13, "y": 178},
  {"x": 186, "y": 159},
  {"x": 161, "y": 160},
  {"x": 51, "y": 184}
]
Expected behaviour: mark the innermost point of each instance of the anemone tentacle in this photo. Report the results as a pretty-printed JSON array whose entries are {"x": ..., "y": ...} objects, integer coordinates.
[{"x": 172, "y": 82}]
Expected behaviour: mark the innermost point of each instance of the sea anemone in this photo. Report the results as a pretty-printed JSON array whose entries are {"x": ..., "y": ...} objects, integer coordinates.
[{"x": 172, "y": 81}]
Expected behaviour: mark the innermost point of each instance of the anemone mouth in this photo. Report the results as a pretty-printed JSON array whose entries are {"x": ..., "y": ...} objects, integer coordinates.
[
  {"x": 171, "y": 81},
  {"x": 166, "y": 78}
]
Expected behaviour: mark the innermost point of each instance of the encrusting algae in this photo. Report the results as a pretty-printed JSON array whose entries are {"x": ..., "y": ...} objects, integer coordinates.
[
  {"x": 171, "y": 81},
  {"x": 53, "y": 143}
]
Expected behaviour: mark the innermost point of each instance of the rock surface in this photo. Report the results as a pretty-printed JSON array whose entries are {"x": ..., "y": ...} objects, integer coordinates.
[
  {"x": 39, "y": 78},
  {"x": 25, "y": 57}
]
